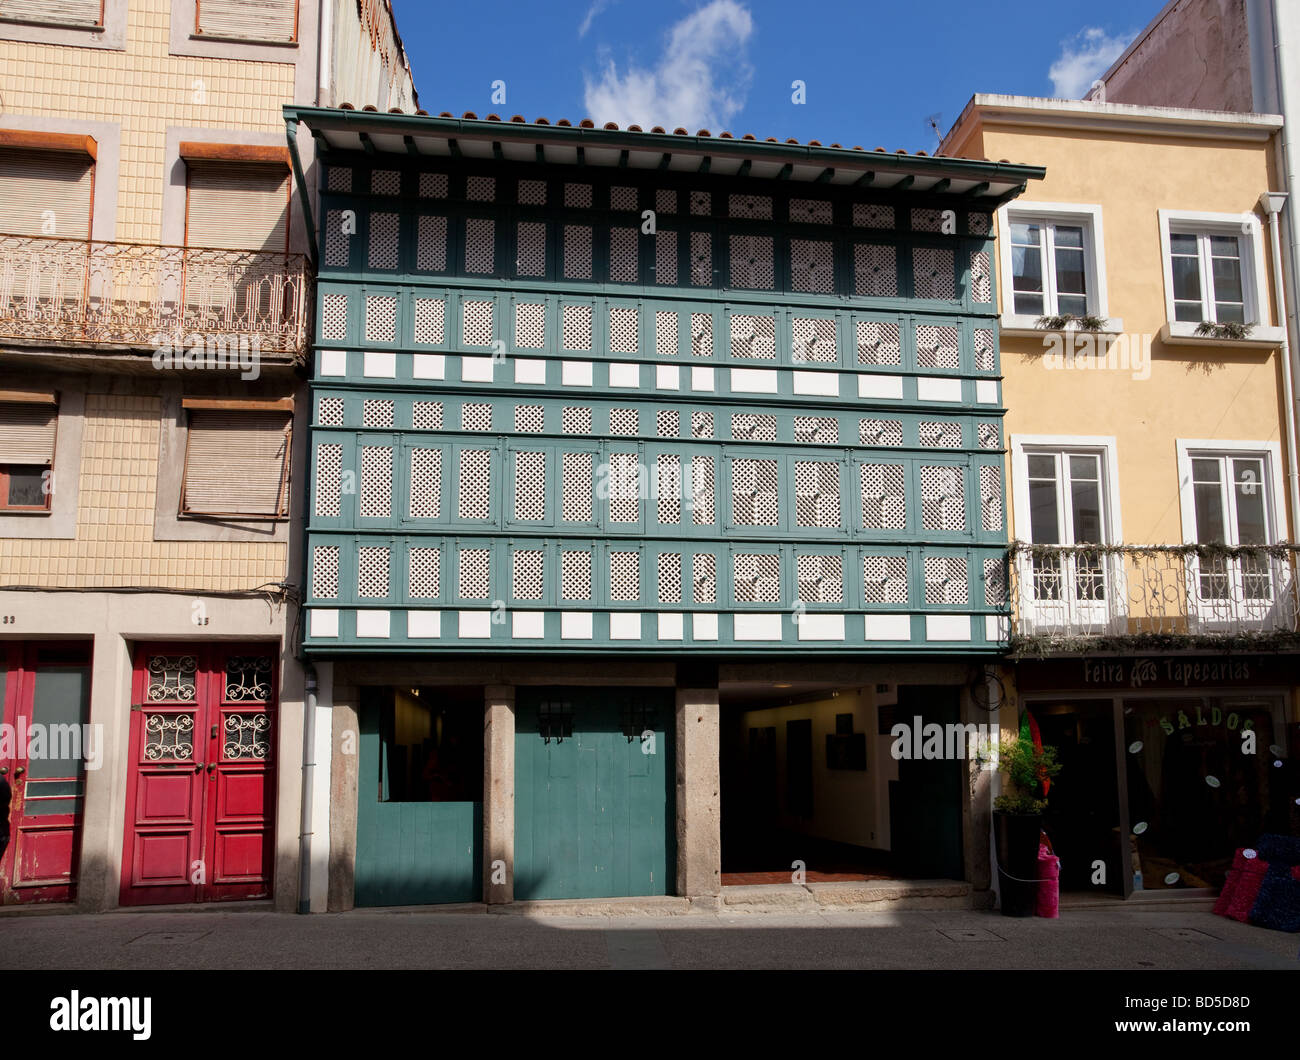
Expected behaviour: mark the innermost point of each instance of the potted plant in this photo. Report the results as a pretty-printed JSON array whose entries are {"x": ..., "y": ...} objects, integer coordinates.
[{"x": 1018, "y": 820}]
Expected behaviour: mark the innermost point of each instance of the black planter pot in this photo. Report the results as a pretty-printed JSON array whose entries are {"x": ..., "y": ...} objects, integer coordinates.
[{"x": 1017, "y": 836}]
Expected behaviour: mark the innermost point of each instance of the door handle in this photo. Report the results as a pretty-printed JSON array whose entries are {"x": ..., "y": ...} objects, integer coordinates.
[
  {"x": 212, "y": 766},
  {"x": 20, "y": 771},
  {"x": 4, "y": 771},
  {"x": 198, "y": 767}
]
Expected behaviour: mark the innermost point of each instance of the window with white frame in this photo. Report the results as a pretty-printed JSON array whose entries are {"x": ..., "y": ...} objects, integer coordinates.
[
  {"x": 1052, "y": 261},
  {"x": 1213, "y": 268}
]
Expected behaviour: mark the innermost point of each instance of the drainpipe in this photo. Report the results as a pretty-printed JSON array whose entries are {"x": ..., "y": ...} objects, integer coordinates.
[
  {"x": 1271, "y": 203},
  {"x": 308, "y": 782}
]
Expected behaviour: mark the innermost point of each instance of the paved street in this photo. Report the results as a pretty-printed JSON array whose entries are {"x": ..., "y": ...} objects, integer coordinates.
[{"x": 1087, "y": 938}]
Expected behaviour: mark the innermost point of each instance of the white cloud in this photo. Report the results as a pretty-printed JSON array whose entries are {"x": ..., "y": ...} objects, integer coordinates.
[
  {"x": 1084, "y": 58},
  {"x": 595, "y": 9},
  {"x": 699, "y": 81}
]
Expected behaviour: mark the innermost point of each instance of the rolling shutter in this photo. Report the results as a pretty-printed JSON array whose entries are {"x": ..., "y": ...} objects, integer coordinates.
[
  {"x": 263, "y": 20},
  {"x": 34, "y": 182},
  {"x": 237, "y": 206},
  {"x": 54, "y": 12},
  {"x": 27, "y": 434},
  {"x": 236, "y": 463}
]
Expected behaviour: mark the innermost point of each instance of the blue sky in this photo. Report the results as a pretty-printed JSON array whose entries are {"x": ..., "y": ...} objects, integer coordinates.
[{"x": 875, "y": 72}]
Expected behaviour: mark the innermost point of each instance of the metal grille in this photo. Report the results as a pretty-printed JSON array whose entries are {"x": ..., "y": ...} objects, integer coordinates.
[
  {"x": 622, "y": 198},
  {"x": 701, "y": 203},
  {"x": 880, "y": 432},
  {"x": 576, "y": 420},
  {"x": 812, "y": 265},
  {"x": 669, "y": 470},
  {"x": 530, "y": 248},
  {"x": 753, "y": 337},
  {"x": 426, "y": 416},
  {"x": 325, "y": 572},
  {"x": 480, "y": 245},
  {"x": 704, "y": 577},
  {"x": 817, "y": 494},
  {"x": 475, "y": 574},
  {"x": 475, "y": 492},
  {"x": 665, "y": 200},
  {"x": 481, "y": 189},
  {"x": 530, "y": 419},
  {"x": 372, "y": 572},
  {"x": 528, "y": 577},
  {"x": 624, "y": 504},
  {"x": 426, "y": 483},
  {"x": 701, "y": 259},
  {"x": 433, "y": 185},
  {"x": 884, "y": 505},
  {"x": 991, "y": 497},
  {"x": 329, "y": 471},
  {"x": 980, "y": 284},
  {"x": 576, "y": 320},
  {"x": 943, "y": 498},
  {"x": 376, "y": 413},
  {"x": 334, "y": 316},
  {"x": 670, "y": 578},
  {"x": 945, "y": 580},
  {"x": 702, "y": 334},
  {"x": 668, "y": 423},
  {"x": 577, "y": 252},
  {"x": 622, "y": 329},
  {"x": 381, "y": 318},
  {"x": 385, "y": 182},
  {"x": 702, "y": 490},
  {"x": 666, "y": 334},
  {"x": 623, "y": 421},
  {"x": 751, "y": 207},
  {"x": 336, "y": 240},
  {"x": 821, "y": 579},
  {"x": 576, "y": 471},
  {"x": 984, "y": 349},
  {"x": 932, "y": 273},
  {"x": 755, "y": 493},
  {"x": 476, "y": 323},
  {"x": 878, "y": 342},
  {"x": 924, "y": 220},
  {"x": 988, "y": 435},
  {"x": 340, "y": 178},
  {"x": 810, "y": 211},
  {"x": 665, "y": 256},
  {"x": 937, "y": 346},
  {"x": 475, "y": 416},
  {"x": 875, "y": 270},
  {"x": 530, "y": 487},
  {"x": 996, "y": 582},
  {"x": 753, "y": 427},
  {"x": 814, "y": 340},
  {"x": 384, "y": 228},
  {"x": 939, "y": 435},
  {"x": 816, "y": 430},
  {"x": 752, "y": 263},
  {"x": 329, "y": 412},
  {"x": 623, "y": 264},
  {"x": 625, "y": 576},
  {"x": 757, "y": 578},
  {"x": 431, "y": 244},
  {"x": 577, "y": 196},
  {"x": 376, "y": 481},
  {"x": 873, "y": 215},
  {"x": 575, "y": 575},
  {"x": 430, "y": 321},
  {"x": 884, "y": 579},
  {"x": 532, "y": 193},
  {"x": 701, "y": 424},
  {"x": 424, "y": 573}
]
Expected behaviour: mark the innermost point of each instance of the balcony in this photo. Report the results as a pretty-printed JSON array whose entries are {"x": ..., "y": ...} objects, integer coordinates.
[
  {"x": 129, "y": 294},
  {"x": 1153, "y": 597}
]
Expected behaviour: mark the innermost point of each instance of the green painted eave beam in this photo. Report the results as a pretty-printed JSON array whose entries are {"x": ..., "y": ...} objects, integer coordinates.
[{"x": 304, "y": 196}]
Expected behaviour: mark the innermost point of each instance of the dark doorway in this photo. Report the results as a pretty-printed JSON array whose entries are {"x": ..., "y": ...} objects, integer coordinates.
[{"x": 925, "y": 802}]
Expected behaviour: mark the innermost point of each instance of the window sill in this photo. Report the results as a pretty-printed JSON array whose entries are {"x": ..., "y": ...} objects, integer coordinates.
[
  {"x": 1017, "y": 325},
  {"x": 24, "y": 511},
  {"x": 1183, "y": 333},
  {"x": 254, "y": 42}
]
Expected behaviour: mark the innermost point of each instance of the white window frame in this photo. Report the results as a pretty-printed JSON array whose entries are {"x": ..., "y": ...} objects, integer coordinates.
[{"x": 1084, "y": 215}]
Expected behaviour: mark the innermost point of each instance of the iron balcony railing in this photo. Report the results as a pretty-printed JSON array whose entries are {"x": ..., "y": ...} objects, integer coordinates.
[
  {"x": 1081, "y": 595},
  {"x": 71, "y": 290}
]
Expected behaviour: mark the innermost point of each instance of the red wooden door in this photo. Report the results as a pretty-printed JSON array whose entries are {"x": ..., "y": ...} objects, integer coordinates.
[
  {"x": 43, "y": 753},
  {"x": 201, "y": 788}
]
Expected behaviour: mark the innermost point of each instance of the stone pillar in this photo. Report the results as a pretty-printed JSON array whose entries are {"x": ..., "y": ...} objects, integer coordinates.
[
  {"x": 99, "y": 872},
  {"x": 498, "y": 792},
  {"x": 345, "y": 767},
  {"x": 699, "y": 816}
]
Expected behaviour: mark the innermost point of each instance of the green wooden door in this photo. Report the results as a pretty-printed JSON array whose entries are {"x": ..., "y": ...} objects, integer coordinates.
[
  {"x": 413, "y": 852},
  {"x": 594, "y": 809}
]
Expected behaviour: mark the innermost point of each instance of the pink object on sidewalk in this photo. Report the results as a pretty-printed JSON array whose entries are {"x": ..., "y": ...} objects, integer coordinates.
[{"x": 1049, "y": 883}]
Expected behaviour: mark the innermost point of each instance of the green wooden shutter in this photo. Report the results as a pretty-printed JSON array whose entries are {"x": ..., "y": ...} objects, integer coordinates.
[
  {"x": 39, "y": 186},
  {"x": 237, "y": 206},
  {"x": 53, "y": 12},
  {"x": 236, "y": 463},
  {"x": 261, "y": 20},
  {"x": 27, "y": 434}
]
